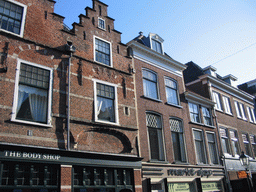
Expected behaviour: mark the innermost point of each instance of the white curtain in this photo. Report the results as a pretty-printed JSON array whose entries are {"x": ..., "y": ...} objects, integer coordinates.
[
  {"x": 37, "y": 100},
  {"x": 105, "y": 109}
]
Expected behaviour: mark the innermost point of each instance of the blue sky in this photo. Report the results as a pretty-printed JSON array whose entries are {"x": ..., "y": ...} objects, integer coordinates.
[{"x": 218, "y": 33}]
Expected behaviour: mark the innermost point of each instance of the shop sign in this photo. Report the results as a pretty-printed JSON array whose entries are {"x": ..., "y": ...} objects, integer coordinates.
[
  {"x": 212, "y": 186},
  {"x": 178, "y": 187},
  {"x": 242, "y": 174},
  {"x": 190, "y": 172},
  {"x": 29, "y": 155}
]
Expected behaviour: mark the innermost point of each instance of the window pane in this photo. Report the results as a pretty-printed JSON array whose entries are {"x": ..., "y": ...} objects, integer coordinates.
[
  {"x": 178, "y": 140},
  {"x": 11, "y": 15},
  {"x": 216, "y": 98},
  {"x": 171, "y": 91},
  {"x": 156, "y": 46},
  {"x": 105, "y": 102},
  {"x": 150, "y": 84},
  {"x": 102, "y": 51},
  {"x": 32, "y": 104},
  {"x": 155, "y": 136},
  {"x": 207, "y": 116},
  {"x": 212, "y": 148},
  {"x": 194, "y": 113},
  {"x": 199, "y": 144}
]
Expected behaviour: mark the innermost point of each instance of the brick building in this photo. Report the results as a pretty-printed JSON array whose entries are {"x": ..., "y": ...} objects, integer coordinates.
[
  {"x": 180, "y": 154},
  {"x": 67, "y": 102},
  {"x": 234, "y": 112}
]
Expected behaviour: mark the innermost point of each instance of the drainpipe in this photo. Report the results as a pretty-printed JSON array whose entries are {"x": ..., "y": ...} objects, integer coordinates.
[{"x": 71, "y": 49}]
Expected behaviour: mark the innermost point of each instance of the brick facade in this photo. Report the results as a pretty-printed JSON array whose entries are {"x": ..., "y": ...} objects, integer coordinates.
[{"x": 43, "y": 44}]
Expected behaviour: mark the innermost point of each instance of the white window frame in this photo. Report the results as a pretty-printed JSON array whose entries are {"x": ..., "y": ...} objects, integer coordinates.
[
  {"x": 103, "y": 20},
  {"x": 251, "y": 114},
  {"x": 176, "y": 90},
  {"x": 16, "y": 91},
  {"x": 160, "y": 43},
  {"x": 246, "y": 141},
  {"x": 236, "y": 141},
  {"x": 199, "y": 113},
  {"x": 203, "y": 143},
  {"x": 162, "y": 134},
  {"x": 217, "y": 100},
  {"x": 240, "y": 111},
  {"x": 227, "y": 141},
  {"x": 210, "y": 111},
  {"x": 227, "y": 104},
  {"x": 110, "y": 51},
  {"x": 181, "y": 134},
  {"x": 216, "y": 147},
  {"x": 157, "y": 84},
  {"x": 253, "y": 143},
  {"x": 22, "y": 20},
  {"x": 95, "y": 81}
]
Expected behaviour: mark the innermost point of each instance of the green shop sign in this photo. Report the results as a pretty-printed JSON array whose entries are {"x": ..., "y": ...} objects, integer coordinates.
[{"x": 178, "y": 187}]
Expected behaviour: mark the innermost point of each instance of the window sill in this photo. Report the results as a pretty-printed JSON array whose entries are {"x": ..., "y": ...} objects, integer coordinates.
[
  {"x": 102, "y": 28},
  {"x": 219, "y": 110},
  {"x": 242, "y": 119},
  {"x": 180, "y": 163},
  {"x": 210, "y": 126},
  {"x": 174, "y": 105},
  {"x": 103, "y": 64},
  {"x": 106, "y": 122},
  {"x": 152, "y": 99},
  {"x": 230, "y": 114},
  {"x": 158, "y": 161},
  {"x": 196, "y": 123},
  {"x": 31, "y": 123}
]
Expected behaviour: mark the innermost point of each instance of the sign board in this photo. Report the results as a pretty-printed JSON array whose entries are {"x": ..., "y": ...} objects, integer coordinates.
[
  {"x": 241, "y": 174},
  {"x": 211, "y": 186},
  {"x": 178, "y": 187}
]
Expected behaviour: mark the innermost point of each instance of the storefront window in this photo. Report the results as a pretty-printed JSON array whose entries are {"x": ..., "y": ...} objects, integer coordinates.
[
  {"x": 92, "y": 179},
  {"x": 181, "y": 187},
  {"x": 212, "y": 186},
  {"x": 22, "y": 177}
]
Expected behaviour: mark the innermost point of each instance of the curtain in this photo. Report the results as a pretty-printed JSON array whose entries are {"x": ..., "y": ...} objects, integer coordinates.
[
  {"x": 37, "y": 101},
  {"x": 105, "y": 109}
]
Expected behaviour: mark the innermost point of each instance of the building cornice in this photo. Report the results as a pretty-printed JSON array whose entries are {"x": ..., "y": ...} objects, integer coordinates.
[
  {"x": 164, "y": 58},
  {"x": 190, "y": 96}
]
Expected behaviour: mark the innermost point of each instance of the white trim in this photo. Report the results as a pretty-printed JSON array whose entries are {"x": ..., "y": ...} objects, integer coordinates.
[
  {"x": 158, "y": 39},
  {"x": 16, "y": 90},
  {"x": 199, "y": 114},
  {"x": 203, "y": 138},
  {"x": 110, "y": 50},
  {"x": 22, "y": 20},
  {"x": 198, "y": 99},
  {"x": 99, "y": 18},
  {"x": 95, "y": 81},
  {"x": 216, "y": 147},
  {"x": 227, "y": 102},
  {"x": 157, "y": 83},
  {"x": 177, "y": 90}
]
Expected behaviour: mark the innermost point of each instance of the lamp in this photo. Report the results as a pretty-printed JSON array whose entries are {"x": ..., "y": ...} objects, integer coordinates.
[{"x": 244, "y": 159}]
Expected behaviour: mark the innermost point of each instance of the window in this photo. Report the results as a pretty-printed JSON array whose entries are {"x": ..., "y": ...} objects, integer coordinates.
[
  {"x": 171, "y": 91},
  {"x": 150, "y": 84},
  {"x": 234, "y": 142},
  {"x": 12, "y": 16},
  {"x": 102, "y": 51},
  {"x": 154, "y": 125},
  {"x": 217, "y": 100},
  {"x": 225, "y": 141},
  {"x": 28, "y": 175},
  {"x": 253, "y": 142},
  {"x": 194, "y": 113},
  {"x": 200, "y": 148},
  {"x": 240, "y": 110},
  {"x": 251, "y": 114},
  {"x": 157, "y": 46},
  {"x": 212, "y": 148},
  {"x": 227, "y": 105},
  {"x": 32, "y": 101},
  {"x": 106, "y": 102},
  {"x": 246, "y": 144},
  {"x": 101, "y": 24},
  {"x": 101, "y": 179},
  {"x": 207, "y": 116},
  {"x": 178, "y": 140}
]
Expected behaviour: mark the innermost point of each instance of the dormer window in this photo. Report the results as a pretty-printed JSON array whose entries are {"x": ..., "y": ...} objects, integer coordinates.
[
  {"x": 156, "y": 45},
  {"x": 101, "y": 24}
]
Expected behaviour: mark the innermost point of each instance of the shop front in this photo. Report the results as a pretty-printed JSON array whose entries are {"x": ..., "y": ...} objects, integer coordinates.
[
  {"x": 184, "y": 179},
  {"x": 27, "y": 169}
]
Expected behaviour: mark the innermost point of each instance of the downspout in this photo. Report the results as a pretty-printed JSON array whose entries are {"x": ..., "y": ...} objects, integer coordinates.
[
  {"x": 70, "y": 48},
  {"x": 229, "y": 188}
]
